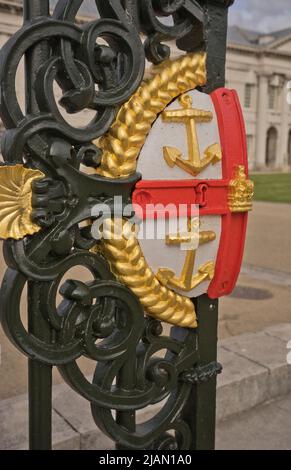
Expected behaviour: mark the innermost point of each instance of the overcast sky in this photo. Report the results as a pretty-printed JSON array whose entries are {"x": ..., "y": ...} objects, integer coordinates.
[{"x": 261, "y": 15}]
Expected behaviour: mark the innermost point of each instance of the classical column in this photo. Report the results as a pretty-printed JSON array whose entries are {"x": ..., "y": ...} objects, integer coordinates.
[
  {"x": 262, "y": 112},
  {"x": 282, "y": 154}
]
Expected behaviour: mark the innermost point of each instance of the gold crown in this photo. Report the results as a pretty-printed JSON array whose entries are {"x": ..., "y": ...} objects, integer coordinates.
[{"x": 241, "y": 192}]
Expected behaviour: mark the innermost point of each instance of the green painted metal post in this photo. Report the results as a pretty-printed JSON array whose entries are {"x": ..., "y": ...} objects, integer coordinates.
[
  {"x": 200, "y": 410},
  {"x": 39, "y": 375},
  {"x": 39, "y": 380}
]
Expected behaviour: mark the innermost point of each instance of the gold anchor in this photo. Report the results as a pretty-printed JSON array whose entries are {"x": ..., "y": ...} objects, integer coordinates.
[
  {"x": 190, "y": 116},
  {"x": 187, "y": 282}
]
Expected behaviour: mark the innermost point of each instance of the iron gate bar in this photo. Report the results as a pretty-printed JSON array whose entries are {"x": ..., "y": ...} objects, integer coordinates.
[
  {"x": 39, "y": 375},
  {"x": 203, "y": 396},
  {"x": 216, "y": 22},
  {"x": 129, "y": 376}
]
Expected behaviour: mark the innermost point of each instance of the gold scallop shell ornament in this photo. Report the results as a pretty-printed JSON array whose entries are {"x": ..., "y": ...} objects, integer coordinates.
[{"x": 16, "y": 201}]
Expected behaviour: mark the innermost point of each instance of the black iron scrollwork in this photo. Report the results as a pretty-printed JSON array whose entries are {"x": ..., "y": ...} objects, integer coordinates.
[
  {"x": 97, "y": 66},
  {"x": 183, "y": 16}
]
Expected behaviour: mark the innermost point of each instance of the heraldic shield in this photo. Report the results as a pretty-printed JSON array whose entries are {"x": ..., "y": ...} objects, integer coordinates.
[
  {"x": 194, "y": 164},
  {"x": 190, "y": 149},
  {"x": 182, "y": 154}
]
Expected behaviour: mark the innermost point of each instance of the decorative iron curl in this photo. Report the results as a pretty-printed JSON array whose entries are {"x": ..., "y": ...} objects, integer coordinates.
[
  {"x": 91, "y": 76},
  {"x": 183, "y": 16},
  {"x": 101, "y": 320},
  {"x": 104, "y": 321}
]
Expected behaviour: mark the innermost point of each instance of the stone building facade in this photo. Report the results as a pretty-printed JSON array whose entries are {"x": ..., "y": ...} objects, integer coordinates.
[{"x": 258, "y": 67}]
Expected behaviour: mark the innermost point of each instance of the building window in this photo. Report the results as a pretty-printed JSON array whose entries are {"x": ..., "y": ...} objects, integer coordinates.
[
  {"x": 250, "y": 146},
  {"x": 289, "y": 149},
  {"x": 271, "y": 150},
  {"x": 248, "y": 95},
  {"x": 272, "y": 97}
]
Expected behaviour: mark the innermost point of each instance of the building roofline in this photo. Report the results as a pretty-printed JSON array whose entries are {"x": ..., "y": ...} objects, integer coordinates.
[
  {"x": 15, "y": 7},
  {"x": 253, "y": 39},
  {"x": 280, "y": 41},
  {"x": 11, "y": 6},
  {"x": 257, "y": 50}
]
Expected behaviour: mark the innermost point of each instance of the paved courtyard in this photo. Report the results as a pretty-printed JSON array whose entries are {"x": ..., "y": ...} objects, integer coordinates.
[
  {"x": 266, "y": 427},
  {"x": 268, "y": 243},
  {"x": 262, "y": 298},
  {"x": 263, "y": 295}
]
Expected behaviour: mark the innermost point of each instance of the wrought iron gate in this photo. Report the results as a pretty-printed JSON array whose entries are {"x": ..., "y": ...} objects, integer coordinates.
[{"x": 102, "y": 320}]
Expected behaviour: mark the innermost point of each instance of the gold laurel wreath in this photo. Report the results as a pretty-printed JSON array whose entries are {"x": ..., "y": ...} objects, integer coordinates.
[
  {"x": 121, "y": 148},
  {"x": 129, "y": 265},
  {"x": 123, "y": 142}
]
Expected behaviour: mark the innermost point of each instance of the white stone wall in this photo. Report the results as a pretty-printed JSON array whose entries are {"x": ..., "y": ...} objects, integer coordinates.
[{"x": 270, "y": 67}]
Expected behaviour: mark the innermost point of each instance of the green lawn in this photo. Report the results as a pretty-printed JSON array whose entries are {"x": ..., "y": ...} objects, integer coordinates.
[{"x": 273, "y": 187}]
